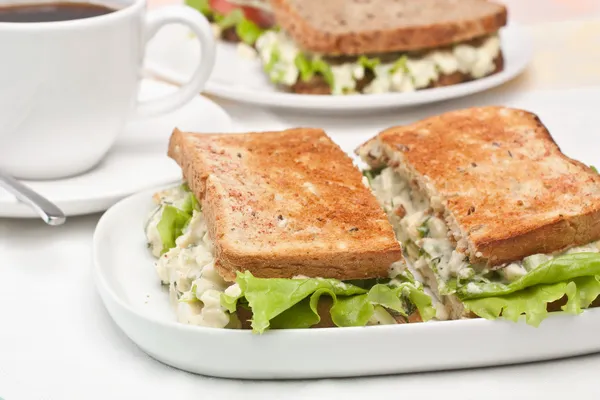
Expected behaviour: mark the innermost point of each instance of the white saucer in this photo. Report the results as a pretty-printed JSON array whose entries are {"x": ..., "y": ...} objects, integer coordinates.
[
  {"x": 172, "y": 55},
  {"x": 137, "y": 162}
]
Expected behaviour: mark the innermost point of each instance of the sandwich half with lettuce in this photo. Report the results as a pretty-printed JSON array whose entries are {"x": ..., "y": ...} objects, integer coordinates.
[
  {"x": 492, "y": 216},
  {"x": 340, "y": 47},
  {"x": 277, "y": 230}
]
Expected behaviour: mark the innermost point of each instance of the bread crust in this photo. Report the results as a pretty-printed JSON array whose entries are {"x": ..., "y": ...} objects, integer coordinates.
[
  {"x": 381, "y": 26},
  {"x": 504, "y": 186},
  {"x": 281, "y": 204},
  {"x": 317, "y": 84}
]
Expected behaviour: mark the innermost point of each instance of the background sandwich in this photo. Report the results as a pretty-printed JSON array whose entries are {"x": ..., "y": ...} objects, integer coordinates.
[
  {"x": 277, "y": 228},
  {"x": 494, "y": 217},
  {"x": 376, "y": 46}
]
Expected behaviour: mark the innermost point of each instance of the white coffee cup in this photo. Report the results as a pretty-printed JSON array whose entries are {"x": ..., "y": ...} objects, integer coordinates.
[{"x": 68, "y": 88}]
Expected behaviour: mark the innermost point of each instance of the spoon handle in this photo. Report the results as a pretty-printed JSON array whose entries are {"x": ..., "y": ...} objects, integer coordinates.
[{"x": 51, "y": 214}]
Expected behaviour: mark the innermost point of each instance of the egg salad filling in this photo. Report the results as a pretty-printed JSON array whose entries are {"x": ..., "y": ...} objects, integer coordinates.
[
  {"x": 521, "y": 287},
  {"x": 178, "y": 237},
  {"x": 285, "y": 63}
]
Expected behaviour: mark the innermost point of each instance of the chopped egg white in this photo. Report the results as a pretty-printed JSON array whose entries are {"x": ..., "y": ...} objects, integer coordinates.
[{"x": 188, "y": 269}]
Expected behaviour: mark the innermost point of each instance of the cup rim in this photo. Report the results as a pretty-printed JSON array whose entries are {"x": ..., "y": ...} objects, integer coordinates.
[{"x": 131, "y": 8}]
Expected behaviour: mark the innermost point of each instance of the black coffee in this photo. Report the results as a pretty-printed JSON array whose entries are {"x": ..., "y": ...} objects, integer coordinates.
[{"x": 49, "y": 12}]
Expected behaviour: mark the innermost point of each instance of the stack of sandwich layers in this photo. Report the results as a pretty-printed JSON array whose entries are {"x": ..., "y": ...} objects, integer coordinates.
[
  {"x": 342, "y": 47},
  {"x": 277, "y": 230},
  {"x": 378, "y": 46},
  {"x": 492, "y": 215}
]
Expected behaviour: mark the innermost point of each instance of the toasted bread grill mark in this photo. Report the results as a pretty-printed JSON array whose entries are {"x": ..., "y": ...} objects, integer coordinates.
[
  {"x": 317, "y": 85},
  {"x": 353, "y": 27},
  {"x": 505, "y": 185},
  {"x": 281, "y": 204}
]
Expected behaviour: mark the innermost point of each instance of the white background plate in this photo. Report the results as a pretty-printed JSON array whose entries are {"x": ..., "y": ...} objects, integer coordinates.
[
  {"x": 173, "y": 54},
  {"x": 134, "y": 298},
  {"x": 137, "y": 161}
]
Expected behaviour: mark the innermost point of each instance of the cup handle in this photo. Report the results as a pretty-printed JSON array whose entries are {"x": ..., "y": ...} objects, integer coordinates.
[{"x": 156, "y": 20}]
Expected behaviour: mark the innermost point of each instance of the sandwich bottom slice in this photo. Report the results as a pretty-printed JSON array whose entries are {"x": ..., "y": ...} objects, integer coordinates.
[{"x": 178, "y": 237}]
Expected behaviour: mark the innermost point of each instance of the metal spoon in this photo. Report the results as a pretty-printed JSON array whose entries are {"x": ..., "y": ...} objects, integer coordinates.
[{"x": 51, "y": 214}]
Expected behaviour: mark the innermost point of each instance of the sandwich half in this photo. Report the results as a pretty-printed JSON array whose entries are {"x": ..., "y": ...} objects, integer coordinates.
[
  {"x": 378, "y": 46},
  {"x": 496, "y": 220},
  {"x": 277, "y": 230}
]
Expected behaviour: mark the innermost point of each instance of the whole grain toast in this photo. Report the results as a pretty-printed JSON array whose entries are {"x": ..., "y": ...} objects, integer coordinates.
[
  {"x": 318, "y": 85},
  {"x": 503, "y": 185},
  {"x": 281, "y": 204},
  {"x": 354, "y": 27}
]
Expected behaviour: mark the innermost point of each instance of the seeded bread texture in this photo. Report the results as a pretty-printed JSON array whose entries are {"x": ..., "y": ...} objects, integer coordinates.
[
  {"x": 281, "y": 204},
  {"x": 503, "y": 185},
  {"x": 354, "y": 27}
]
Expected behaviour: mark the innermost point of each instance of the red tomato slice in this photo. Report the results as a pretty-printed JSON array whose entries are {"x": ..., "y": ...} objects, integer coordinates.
[{"x": 259, "y": 17}]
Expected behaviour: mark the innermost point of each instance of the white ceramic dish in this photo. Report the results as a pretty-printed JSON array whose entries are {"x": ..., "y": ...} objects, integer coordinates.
[
  {"x": 173, "y": 54},
  {"x": 130, "y": 289},
  {"x": 132, "y": 294},
  {"x": 137, "y": 162}
]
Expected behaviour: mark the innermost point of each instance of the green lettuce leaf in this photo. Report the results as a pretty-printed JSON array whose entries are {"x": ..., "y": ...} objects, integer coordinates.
[
  {"x": 174, "y": 220},
  {"x": 369, "y": 63},
  {"x": 560, "y": 269},
  {"x": 574, "y": 276},
  {"x": 171, "y": 225},
  {"x": 299, "y": 316},
  {"x": 391, "y": 297},
  {"x": 533, "y": 301},
  {"x": 248, "y": 31},
  {"x": 324, "y": 69},
  {"x": 372, "y": 173},
  {"x": 309, "y": 67},
  {"x": 230, "y": 20},
  {"x": 293, "y": 303},
  {"x": 202, "y": 6},
  {"x": 275, "y": 57},
  {"x": 190, "y": 204},
  {"x": 351, "y": 310},
  {"x": 304, "y": 66},
  {"x": 594, "y": 168},
  {"x": 400, "y": 65}
]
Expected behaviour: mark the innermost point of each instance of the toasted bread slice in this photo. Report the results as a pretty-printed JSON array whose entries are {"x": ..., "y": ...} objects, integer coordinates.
[
  {"x": 281, "y": 204},
  {"x": 354, "y": 27},
  {"x": 503, "y": 185}
]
